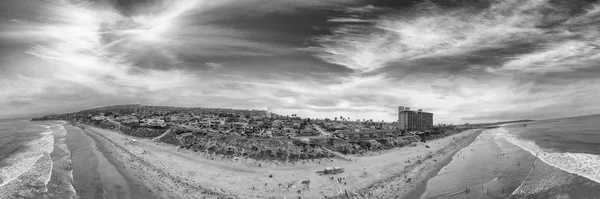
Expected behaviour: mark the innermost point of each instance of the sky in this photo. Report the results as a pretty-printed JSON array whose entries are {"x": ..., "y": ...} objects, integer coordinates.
[{"x": 463, "y": 60}]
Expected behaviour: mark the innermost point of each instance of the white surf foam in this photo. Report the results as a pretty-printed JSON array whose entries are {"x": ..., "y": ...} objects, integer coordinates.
[
  {"x": 31, "y": 182},
  {"x": 43, "y": 172},
  {"x": 64, "y": 165},
  {"x": 25, "y": 157},
  {"x": 582, "y": 164}
]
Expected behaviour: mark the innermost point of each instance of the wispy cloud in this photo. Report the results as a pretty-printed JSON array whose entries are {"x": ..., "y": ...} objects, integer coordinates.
[
  {"x": 433, "y": 33},
  {"x": 559, "y": 57},
  {"x": 476, "y": 58},
  {"x": 463, "y": 62}
]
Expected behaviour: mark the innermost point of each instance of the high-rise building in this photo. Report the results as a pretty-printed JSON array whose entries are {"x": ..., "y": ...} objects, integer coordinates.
[
  {"x": 414, "y": 120},
  {"x": 268, "y": 112}
]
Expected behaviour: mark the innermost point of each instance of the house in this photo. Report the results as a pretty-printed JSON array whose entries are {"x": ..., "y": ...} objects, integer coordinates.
[
  {"x": 239, "y": 125},
  {"x": 181, "y": 118},
  {"x": 155, "y": 122},
  {"x": 290, "y": 132},
  {"x": 127, "y": 119},
  {"x": 308, "y": 132},
  {"x": 252, "y": 127},
  {"x": 204, "y": 123},
  {"x": 266, "y": 133},
  {"x": 99, "y": 118},
  {"x": 216, "y": 123}
]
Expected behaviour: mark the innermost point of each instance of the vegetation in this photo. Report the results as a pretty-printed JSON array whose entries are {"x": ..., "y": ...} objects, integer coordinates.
[{"x": 241, "y": 146}]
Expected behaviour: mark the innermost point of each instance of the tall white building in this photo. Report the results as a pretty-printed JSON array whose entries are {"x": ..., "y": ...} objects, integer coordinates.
[{"x": 414, "y": 120}]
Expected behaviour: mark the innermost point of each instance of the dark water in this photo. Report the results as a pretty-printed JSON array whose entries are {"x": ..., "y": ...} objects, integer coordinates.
[
  {"x": 575, "y": 135},
  {"x": 34, "y": 160},
  {"x": 544, "y": 159}
]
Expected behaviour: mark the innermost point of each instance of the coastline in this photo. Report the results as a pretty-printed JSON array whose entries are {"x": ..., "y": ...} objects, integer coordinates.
[
  {"x": 143, "y": 179},
  {"x": 411, "y": 182},
  {"x": 97, "y": 173},
  {"x": 421, "y": 187},
  {"x": 159, "y": 170}
]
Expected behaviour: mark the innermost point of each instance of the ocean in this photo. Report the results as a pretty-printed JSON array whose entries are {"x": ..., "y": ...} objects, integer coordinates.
[
  {"x": 34, "y": 160},
  {"x": 557, "y": 158}
]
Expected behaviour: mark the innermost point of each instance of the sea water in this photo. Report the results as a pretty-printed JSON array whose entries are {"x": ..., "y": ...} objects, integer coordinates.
[
  {"x": 557, "y": 158},
  {"x": 34, "y": 160}
]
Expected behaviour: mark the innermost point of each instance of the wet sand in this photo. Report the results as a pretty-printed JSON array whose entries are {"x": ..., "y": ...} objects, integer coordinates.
[
  {"x": 85, "y": 164},
  {"x": 96, "y": 172},
  {"x": 420, "y": 189},
  {"x": 411, "y": 181},
  {"x": 492, "y": 167}
]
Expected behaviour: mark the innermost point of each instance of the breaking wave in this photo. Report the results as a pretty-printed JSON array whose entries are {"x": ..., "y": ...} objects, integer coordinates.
[
  {"x": 24, "y": 158},
  {"x": 582, "y": 164}
]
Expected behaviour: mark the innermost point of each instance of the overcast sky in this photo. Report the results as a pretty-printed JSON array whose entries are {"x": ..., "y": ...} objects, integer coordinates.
[{"x": 463, "y": 60}]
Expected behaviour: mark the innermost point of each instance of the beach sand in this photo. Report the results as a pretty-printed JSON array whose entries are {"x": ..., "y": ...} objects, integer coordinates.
[
  {"x": 411, "y": 180},
  {"x": 170, "y": 172}
]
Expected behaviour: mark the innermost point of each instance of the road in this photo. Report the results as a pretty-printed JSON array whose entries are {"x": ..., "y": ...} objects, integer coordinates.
[{"x": 323, "y": 132}]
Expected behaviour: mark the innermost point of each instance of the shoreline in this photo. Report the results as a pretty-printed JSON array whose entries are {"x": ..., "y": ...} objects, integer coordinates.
[
  {"x": 165, "y": 171},
  {"x": 422, "y": 187},
  {"x": 98, "y": 175},
  {"x": 411, "y": 182},
  {"x": 144, "y": 179}
]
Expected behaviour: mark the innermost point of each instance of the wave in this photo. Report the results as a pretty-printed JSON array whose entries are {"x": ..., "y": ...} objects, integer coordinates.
[
  {"x": 582, "y": 164},
  {"x": 64, "y": 165},
  {"x": 520, "y": 187},
  {"x": 43, "y": 172},
  {"x": 31, "y": 182},
  {"x": 25, "y": 157}
]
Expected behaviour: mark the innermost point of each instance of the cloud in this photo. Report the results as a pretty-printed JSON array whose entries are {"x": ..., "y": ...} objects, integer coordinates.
[
  {"x": 349, "y": 20},
  {"x": 432, "y": 33},
  {"x": 463, "y": 62},
  {"x": 561, "y": 57},
  {"x": 214, "y": 66},
  {"x": 478, "y": 60}
]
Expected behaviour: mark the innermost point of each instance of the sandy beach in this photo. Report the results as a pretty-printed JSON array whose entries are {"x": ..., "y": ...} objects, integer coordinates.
[{"x": 152, "y": 169}]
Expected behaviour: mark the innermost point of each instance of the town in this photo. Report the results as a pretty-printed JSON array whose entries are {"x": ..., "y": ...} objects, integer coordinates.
[
  {"x": 261, "y": 123},
  {"x": 263, "y": 135}
]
